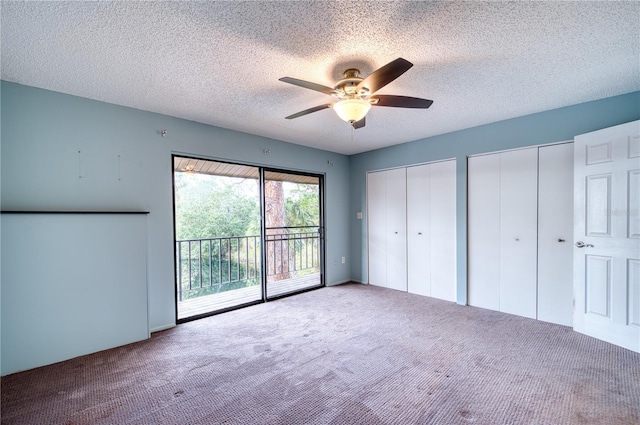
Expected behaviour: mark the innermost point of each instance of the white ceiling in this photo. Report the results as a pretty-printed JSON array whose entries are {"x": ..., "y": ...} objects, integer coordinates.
[{"x": 219, "y": 62}]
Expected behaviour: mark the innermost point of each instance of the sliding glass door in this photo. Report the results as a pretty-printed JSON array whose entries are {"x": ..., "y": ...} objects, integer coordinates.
[
  {"x": 243, "y": 235},
  {"x": 217, "y": 236},
  {"x": 293, "y": 232}
]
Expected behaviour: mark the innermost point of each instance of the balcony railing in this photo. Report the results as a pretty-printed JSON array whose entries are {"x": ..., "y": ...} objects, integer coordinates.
[
  {"x": 292, "y": 252},
  {"x": 210, "y": 266}
]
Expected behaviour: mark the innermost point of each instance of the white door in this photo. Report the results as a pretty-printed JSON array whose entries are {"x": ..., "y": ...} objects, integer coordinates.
[
  {"x": 555, "y": 234},
  {"x": 443, "y": 230},
  {"x": 377, "y": 228},
  {"x": 396, "y": 205},
  {"x": 419, "y": 230},
  {"x": 503, "y": 231},
  {"x": 431, "y": 230},
  {"x": 606, "y": 257},
  {"x": 518, "y": 231},
  {"x": 484, "y": 231}
]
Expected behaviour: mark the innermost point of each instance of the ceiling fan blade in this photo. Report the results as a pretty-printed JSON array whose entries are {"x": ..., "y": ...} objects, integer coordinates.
[
  {"x": 308, "y": 111},
  {"x": 401, "y": 101},
  {"x": 308, "y": 85},
  {"x": 384, "y": 75},
  {"x": 359, "y": 124}
]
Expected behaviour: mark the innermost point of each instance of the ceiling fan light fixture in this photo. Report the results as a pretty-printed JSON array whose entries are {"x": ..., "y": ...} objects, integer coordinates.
[{"x": 352, "y": 110}]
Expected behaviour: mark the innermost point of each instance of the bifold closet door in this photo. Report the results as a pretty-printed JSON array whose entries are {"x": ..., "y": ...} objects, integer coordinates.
[
  {"x": 431, "y": 230},
  {"x": 387, "y": 227},
  {"x": 396, "y": 203},
  {"x": 419, "y": 230},
  {"x": 377, "y": 228},
  {"x": 555, "y": 234},
  {"x": 518, "y": 232},
  {"x": 502, "y": 202},
  {"x": 443, "y": 230},
  {"x": 484, "y": 231}
]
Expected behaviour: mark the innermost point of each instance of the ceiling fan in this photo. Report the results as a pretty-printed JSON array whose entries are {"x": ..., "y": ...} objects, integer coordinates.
[{"x": 356, "y": 94}]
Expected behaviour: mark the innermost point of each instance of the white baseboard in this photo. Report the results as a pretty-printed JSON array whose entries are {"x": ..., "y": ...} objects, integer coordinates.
[
  {"x": 163, "y": 327},
  {"x": 343, "y": 282}
]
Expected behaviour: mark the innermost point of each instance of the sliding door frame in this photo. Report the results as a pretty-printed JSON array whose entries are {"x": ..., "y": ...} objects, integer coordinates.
[
  {"x": 321, "y": 231},
  {"x": 263, "y": 251}
]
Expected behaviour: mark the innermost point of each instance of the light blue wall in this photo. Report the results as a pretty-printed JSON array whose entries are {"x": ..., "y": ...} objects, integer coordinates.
[
  {"x": 125, "y": 164},
  {"x": 541, "y": 128}
]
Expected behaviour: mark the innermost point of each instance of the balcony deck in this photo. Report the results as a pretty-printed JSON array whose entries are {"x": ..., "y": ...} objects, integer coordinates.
[{"x": 208, "y": 303}]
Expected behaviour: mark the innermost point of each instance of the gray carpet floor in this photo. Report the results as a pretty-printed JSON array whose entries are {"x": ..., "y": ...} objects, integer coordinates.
[{"x": 351, "y": 354}]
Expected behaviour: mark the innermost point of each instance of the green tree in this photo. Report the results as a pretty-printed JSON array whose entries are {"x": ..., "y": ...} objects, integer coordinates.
[
  {"x": 219, "y": 208},
  {"x": 215, "y": 206},
  {"x": 302, "y": 205}
]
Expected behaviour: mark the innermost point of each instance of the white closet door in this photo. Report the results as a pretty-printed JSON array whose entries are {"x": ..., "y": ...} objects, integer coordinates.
[
  {"x": 443, "y": 230},
  {"x": 555, "y": 234},
  {"x": 396, "y": 202},
  {"x": 484, "y": 231},
  {"x": 518, "y": 232},
  {"x": 419, "y": 263},
  {"x": 377, "y": 233}
]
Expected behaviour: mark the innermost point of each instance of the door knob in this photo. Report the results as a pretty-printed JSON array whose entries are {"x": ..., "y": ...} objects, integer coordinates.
[
  {"x": 560, "y": 240},
  {"x": 581, "y": 244}
]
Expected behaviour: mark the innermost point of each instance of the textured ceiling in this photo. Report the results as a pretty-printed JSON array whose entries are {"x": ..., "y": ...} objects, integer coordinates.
[{"x": 219, "y": 62}]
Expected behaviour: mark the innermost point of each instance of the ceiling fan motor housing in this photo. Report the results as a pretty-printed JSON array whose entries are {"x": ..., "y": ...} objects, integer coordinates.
[{"x": 347, "y": 87}]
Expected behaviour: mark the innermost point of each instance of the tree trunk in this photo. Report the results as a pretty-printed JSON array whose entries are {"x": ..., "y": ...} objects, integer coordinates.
[{"x": 278, "y": 245}]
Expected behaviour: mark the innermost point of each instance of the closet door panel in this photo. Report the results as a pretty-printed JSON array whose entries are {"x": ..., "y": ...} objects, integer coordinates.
[
  {"x": 377, "y": 233},
  {"x": 443, "y": 230},
  {"x": 555, "y": 234},
  {"x": 396, "y": 201},
  {"x": 518, "y": 232},
  {"x": 419, "y": 220},
  {"x": 484, "y": 231}
]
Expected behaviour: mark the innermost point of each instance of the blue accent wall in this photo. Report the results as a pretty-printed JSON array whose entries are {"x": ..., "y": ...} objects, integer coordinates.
[{"x": 541, "y": 128}]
